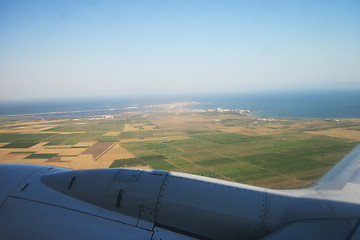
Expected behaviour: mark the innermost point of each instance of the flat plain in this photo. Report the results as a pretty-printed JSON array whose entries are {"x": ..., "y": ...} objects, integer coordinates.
[{"x": 277, "y": 153}]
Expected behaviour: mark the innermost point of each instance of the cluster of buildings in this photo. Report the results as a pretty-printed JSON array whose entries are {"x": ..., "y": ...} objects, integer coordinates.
[{"x": 220, "y": 110}]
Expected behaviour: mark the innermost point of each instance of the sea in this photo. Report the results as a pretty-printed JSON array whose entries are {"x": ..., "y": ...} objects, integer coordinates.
[{"x": 310, "y": 104}]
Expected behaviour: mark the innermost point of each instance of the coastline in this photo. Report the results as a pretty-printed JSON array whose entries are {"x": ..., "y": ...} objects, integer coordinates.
[{"x": 319, "y": 105}]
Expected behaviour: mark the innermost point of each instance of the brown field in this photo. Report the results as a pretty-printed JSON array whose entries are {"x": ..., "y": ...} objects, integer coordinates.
[
  {"x": 85, "y": 143},
  {"x": 138, "y": 127},
  {"x": 116, "y": 152},
  {"x": 278, "y": 183},
  {"x": 97, "y": 155},
  {"x": 340, "y": 133},
  {"x": 150, "y": 127},
  {"x": 245, "y": 130},
  {"x": 62, "y": 151},
  {"x": 37, "y": 147},
  {"x": 140, "y": 167},
  {"x": 14, "y": 158},
  {"x": 132, "y": 127},
  {"x": 111, "y": 134},
  {"x": 171, "y": 121},
  {"x": 99, "y": 148},
  {"x": 83, "y": 161}
]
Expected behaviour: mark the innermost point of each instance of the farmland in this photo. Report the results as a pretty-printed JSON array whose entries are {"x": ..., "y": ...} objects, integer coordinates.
[{"x": 276, "y": 153}]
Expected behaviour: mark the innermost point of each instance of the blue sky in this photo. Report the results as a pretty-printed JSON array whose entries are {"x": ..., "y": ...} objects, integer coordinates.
[{"x": 65, "y": 49}]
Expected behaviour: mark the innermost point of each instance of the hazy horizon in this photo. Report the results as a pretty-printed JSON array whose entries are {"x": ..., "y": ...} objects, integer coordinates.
[
  {"x": 179, "y": 97},
  {"x": 97, "y": 49}
]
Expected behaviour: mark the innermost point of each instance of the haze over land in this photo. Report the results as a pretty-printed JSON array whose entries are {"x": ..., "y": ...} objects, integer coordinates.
[{"x": 74, "y": 49}]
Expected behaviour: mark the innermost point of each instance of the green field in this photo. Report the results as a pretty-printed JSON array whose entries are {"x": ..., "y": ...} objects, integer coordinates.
[
  {"x": 294, "y": 156},
  {"x": 19, "y": 144},
  {"x": 128, "y": 162},
  {"x": 89, "y": 126},
  {"x": 288, "y": 156},
  {"x": 12, "y": 137},
  {"x": 41, "y": 156}
]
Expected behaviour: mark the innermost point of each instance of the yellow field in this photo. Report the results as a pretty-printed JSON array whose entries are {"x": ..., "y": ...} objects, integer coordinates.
[
  {"x": 244, "y": 130},
  {"x": 111, "y": 134},
  {"x": 340, "y": 133},
  {"x": 69, "y": 157},
  {"x": 132, "y": 127},
  {"x": 140, "y": 167},
  {"x": 85, "y": 143},
  {"x": 116, "y": 152},
  {"x": 133, "y": 140}
]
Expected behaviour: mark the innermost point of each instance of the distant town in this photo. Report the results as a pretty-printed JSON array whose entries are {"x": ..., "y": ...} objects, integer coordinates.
[
  {"x": 182, "y": 107},
  {"x": 171, "y": 108}
]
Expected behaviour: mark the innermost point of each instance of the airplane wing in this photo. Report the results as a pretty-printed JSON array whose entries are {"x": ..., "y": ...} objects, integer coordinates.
[
  {"x": 347, "y": 171},
  {"x": 44, "y": 202}
]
